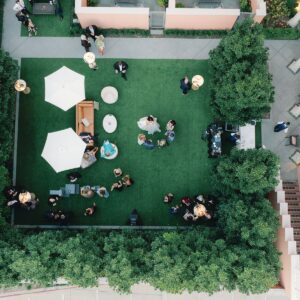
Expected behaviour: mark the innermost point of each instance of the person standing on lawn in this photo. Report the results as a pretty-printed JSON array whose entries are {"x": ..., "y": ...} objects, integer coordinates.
[
  {"x": 121, "y": 67},
  {"x": 185, "y": 85},
  {"x": 91, "y": 31}
]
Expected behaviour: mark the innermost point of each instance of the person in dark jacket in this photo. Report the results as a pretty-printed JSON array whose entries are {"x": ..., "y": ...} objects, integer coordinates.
[
  {"x": 91, "y": 31},
  {"x": 121, "y": 67},
  {"x": 282, "y": 126},
  {"x": 185, "y": 85},
  {"x": 85, "y": 43}
]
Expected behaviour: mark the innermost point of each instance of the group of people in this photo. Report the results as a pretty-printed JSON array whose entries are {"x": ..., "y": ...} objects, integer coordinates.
[
  {"x": 22, "y": 14},
  {"x": 92, "y": 32},
  {"x": 58, "y": 216},
  {"x": 20, "y": 197},
  {"x": 151, "y": 125},
  {"x": 192, "y": 209}
]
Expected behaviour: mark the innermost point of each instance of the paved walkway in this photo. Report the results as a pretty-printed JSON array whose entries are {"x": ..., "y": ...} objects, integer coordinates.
[
  {"x": 287, "y": 91},
  {"x": 139, "y": 292}
]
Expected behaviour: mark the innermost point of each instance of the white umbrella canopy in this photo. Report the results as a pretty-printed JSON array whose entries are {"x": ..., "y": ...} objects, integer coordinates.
[
  {"x": 64, "y": 88},
  {"x": 63, "y": 150}
]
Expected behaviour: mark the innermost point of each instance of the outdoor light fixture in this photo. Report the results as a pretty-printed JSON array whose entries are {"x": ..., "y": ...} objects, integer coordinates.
[{"x": 21, "y": 86}]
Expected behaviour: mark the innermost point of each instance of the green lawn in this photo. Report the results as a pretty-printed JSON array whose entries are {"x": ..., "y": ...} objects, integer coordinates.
[
  {"x": 152, "y": 88},
  {"x": 51, "y": 25}
]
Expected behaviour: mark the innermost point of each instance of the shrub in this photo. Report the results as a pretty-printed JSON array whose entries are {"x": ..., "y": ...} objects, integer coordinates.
[
  {"x": 245, "y": 6},
  {"x": 241, "y": 84},
  {"x": 162, "y": 3},
  {"x": 281, "y": 33},
  {"x": 252, "y": 171},
  {"x": 277, "y": 13}
]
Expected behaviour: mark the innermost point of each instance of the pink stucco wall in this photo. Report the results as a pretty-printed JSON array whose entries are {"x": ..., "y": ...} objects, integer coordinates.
[
  {"x": 114, "y": 20},
  {"x": 201, "y": 19},
  {"x": 259, "y": 9},
  {"x": 282, "y": 247},
  {"x": 285, "y": 258},
  {"x": 112, "y": 17}
]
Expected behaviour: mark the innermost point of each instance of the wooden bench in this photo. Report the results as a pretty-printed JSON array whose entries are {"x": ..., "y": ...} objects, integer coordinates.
[{"x": 85, "y": 110}]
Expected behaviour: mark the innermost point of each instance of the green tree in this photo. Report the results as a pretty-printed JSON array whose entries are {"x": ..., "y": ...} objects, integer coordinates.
[
  {"x": 241, "y": 84},
  {"x": 247, "y": 220},
  {"x": 248, "y": 172},
  {"x": 83, "y": 258},
  {"x": 124, "y": 261}
]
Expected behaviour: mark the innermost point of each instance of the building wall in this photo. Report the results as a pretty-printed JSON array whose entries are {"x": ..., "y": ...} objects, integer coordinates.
[
  {"x": 200, "y": 19},
  {"x": 259, "y": 8},
  {"x": 112, "y": 17}
]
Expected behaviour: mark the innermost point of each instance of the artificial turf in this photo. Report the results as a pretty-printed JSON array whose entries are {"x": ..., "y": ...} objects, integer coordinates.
[
  {"x": 183, "y": 168},
  {"x": 51, "y": 25}
]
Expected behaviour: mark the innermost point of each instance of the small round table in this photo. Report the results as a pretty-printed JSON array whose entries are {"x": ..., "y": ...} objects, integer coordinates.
[
  {"x": 110, "y": 123},
  {"x": 112, "y": 156},
  {"x": 197, "y": 81},
  {"x": 109, "y": 95}
]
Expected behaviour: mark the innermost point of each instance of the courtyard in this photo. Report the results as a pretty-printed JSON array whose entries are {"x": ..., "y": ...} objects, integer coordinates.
[{"x": 183, "y": 168}]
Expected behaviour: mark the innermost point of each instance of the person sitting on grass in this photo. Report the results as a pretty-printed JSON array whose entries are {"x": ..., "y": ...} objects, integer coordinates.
[
  {"x": 170, "y": 134},
  {"x": 189, "y": 216},
  {"x": 168, "y": 198},
  {"x": 187, "y": 201},
  {"x": 53, "y": 199},
  {"x": 118, "y": 186},
  {"x": 103, "y": 192},
  {"x": 174, "y": 210},
  {"x": 162, "y": 143},
  {"x": 118, "y": 172},
  {"x": 90, "y": 210},
  {"x": 86, "y": 192},
  {"x": 171, "y": 125},
  {"x": 73, "y": 176},
  {"x": 127, "y": 181}
]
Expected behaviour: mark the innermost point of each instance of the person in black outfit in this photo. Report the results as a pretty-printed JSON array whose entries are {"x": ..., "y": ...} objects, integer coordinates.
[
  {"x": 133, "y": 218},
  {"x": 73, "y": 176},
  {"x": 91, "y": 31},
  {"x": 85, "y": 42},
  {"x": 121, "y": 67},
  {"x": 185, "y": 85}
]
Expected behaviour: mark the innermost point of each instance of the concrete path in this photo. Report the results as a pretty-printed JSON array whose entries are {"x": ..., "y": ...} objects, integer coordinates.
[
  {"x": 139, "y": 292},
  {"x": 287, "y": 91}
]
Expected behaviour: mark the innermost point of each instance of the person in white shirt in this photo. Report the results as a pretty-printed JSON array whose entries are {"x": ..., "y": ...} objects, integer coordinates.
[{"x": 20, "y": 7}]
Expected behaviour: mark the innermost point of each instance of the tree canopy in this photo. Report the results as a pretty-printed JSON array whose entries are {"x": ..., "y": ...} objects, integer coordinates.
[
  {"x": 241, "y": 84},
  {"x": 247, "y": 171}
]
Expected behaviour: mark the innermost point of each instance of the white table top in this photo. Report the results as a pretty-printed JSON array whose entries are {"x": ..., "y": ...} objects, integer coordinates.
[
  {"x": 247, "y": 134},
  {"x": 109, "y": 94},
  {"x": 112, "y": 156},
  {"x": 110, "y": 123}
]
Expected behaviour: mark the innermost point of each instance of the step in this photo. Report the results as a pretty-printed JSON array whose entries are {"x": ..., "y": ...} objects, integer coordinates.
[
  {"x": 296, "y": 222},
  {"x": 292, "y": 199},
  {"x": 293, "y": 210},
  {"x": 157, "y": 32},
  {"x": 294, "y": 205}
]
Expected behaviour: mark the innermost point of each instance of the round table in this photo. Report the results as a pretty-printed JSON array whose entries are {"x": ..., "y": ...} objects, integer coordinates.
[
  {"x": 110, "y": 123},
  {"x": 24, "y": 197},
  {"x": 112, "y": 156},
  {"x": 109, "y": 94},
  {"x": 197, "y": 81}
]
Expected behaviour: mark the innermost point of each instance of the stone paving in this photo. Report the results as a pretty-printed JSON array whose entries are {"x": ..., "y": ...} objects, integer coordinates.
[
  {"x": 287, "y": 89},
  {"x": 139, "y": 292}
]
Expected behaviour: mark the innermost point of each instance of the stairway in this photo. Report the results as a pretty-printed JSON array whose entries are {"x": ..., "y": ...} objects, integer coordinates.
[{"x": 292, "y": 197}]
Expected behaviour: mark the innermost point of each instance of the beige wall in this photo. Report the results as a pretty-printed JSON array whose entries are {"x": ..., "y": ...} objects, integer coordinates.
[
  {"x": 112, "y": 17},
  {"x": 201, "y": 19},
  {"x": 259, "y": 8}
]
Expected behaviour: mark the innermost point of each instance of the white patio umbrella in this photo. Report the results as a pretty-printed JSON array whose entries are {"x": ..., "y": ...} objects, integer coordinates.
[
  {"x": 63, "y": 150},
  {"x": 64, "y": 88}
]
